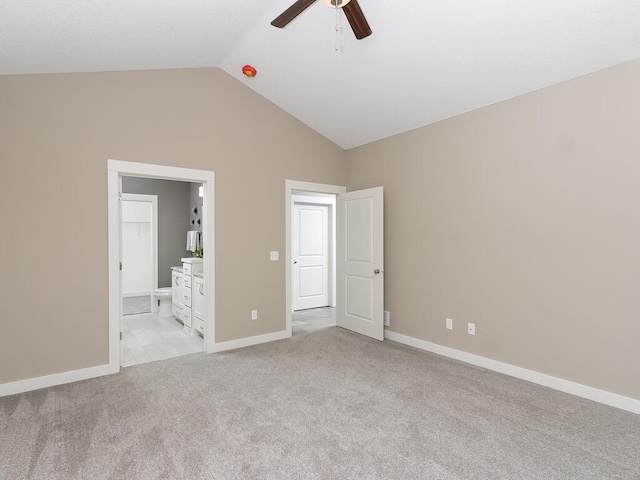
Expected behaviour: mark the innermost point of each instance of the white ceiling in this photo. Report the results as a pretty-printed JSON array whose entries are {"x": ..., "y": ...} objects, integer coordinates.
[{"x": 427, "y": 59}]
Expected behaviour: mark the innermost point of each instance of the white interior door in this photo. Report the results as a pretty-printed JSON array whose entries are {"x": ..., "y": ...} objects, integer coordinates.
[
  {"x": 360, "y": 262},
  {"x": 310, "y": 245},
  {"x": 138, "y": 250}
]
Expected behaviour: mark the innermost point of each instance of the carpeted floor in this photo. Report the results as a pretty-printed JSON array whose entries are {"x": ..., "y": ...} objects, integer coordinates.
[{"x": 328, "y": 405}]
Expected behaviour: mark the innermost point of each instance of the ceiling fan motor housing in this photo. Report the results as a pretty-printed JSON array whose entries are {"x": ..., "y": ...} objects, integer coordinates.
[{"x": 335, "y": 3}]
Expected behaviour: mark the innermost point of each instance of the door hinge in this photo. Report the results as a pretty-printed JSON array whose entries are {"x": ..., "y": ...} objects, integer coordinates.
[
  {"x": 120, "y": 335},
  {"x": 120, "y": 266}
]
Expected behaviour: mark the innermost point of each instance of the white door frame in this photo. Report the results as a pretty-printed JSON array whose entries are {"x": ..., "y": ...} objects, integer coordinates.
[
  {"x": 290, "y": 186},
  {"x": 116, "y": 170},
  {"x": 153, "y": 200}
]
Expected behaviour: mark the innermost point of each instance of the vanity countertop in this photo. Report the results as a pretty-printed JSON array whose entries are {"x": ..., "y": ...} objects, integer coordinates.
[
  {"x": 191, "y": 260},
  {"x": 177, "y": 269},
  {"x": 199, "y": 275}
]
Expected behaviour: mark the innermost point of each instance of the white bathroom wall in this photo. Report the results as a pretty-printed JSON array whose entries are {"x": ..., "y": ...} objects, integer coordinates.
[{"x": 137, "y": 248}]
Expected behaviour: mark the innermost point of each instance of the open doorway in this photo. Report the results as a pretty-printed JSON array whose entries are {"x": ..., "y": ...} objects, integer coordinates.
[
  {"x": 310, "y": 256},
  {"x": 157, "y": 218},
  {"x": 359, "y": 233},
  {"x": 194, "y": 259},
  {"x": 313, "y": 261}
]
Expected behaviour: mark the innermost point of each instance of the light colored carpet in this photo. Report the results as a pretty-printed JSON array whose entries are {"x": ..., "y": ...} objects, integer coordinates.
[{"x": 328, "y": 405}]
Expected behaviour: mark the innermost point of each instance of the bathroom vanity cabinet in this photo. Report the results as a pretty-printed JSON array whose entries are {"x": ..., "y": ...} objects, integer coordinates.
[
  {"x": 187, "y": 295},
  {"x": 197, "y": 296},
  {"x": 178, "y": 288},
  {"x": 184, "y": 309},
  {"x": 176, "y": 285}
]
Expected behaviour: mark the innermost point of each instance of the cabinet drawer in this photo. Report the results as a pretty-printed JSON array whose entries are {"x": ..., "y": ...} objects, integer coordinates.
[
  {"x": 185, "y": 299},
  {"x": 186, "y": 268},
  {"x": 198, "y": 324},
  {"x": 176, "y": 311},
  {"x": 186, "y": 281},
  {"x": 186, "y": 316}
]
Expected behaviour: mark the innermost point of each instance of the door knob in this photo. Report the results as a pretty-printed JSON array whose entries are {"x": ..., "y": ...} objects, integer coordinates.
[
  {"x": 377, "y": 271},
  {"x": 295, "y": 261}
]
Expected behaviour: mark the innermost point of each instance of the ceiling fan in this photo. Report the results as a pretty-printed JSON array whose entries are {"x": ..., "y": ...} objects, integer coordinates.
[{"x": 351, "y": 9}]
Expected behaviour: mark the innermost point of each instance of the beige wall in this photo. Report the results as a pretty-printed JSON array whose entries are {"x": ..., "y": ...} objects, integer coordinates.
[
  {"x": 523, "y": 217},
  {"x": 56, "y": 134}
]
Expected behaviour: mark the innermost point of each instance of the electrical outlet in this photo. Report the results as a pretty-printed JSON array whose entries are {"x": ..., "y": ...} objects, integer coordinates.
[
  {"x": 449, "y": 324},
  {"x": 387, "y": 318},
  {"x": 254, "y": 314},
  {"x": 273, "y": 256},
  {"x": 471, "y": 328}
]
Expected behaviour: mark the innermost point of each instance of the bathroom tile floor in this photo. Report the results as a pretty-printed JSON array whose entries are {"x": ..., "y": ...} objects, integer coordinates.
[
  {"x": 147, "y": 337},
  {"x": 312, "y": 320},
  {"x": 134, "y": 305}
]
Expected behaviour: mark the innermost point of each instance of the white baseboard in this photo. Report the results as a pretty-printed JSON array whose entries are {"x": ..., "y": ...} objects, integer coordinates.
[
  {"x": 247, "y": 342},
  {"x": 136, "y": 294},
  {"x": 37, "y": 383},
  {"x": 590, "y": 393}
]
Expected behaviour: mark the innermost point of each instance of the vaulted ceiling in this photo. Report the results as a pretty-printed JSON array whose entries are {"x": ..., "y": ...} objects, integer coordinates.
[{"x": 427, "y": 59}]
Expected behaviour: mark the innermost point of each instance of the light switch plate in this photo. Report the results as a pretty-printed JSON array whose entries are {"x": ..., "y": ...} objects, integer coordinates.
[
  {"x": 273, "y": 256},
  {"x": 449, "y": 324},
  {"x": 254, "y": 314}
]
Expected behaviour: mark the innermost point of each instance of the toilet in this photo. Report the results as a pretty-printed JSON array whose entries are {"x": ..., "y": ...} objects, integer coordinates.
[{"x": 164, "y": 295}]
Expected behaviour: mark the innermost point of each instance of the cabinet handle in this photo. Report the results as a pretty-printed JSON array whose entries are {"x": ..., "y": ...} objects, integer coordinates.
[{"x": 201, "y": 289}]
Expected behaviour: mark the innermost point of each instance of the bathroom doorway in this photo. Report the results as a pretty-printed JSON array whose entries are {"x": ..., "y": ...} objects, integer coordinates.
[
  {"x": 153, "y": 324},
  {"x": 159, "y": 343}
]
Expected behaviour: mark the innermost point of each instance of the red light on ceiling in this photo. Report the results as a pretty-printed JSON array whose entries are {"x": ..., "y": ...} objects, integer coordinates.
[{"x": 249, "y": 71}]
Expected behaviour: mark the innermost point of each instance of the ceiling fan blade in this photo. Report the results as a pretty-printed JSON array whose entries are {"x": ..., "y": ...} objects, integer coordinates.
[
  {"x": 292, "y": 12},
  {"x": 356, "y": 18}
]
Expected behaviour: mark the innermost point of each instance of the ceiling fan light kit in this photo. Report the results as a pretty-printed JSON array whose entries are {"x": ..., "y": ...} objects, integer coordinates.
[
  {"x": 335, "y": 3},
  {"x": 351, "y": 9}
]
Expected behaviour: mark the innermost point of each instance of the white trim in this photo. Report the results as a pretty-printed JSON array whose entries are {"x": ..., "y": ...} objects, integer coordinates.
[
  {"x": 37, "y": 383},
  {"x": 115, "y": 300},
  {"x": 149, "y": 170},
  {"x": 137, "y": 294},
  {"x": 307, "y": 199},
  {"x": 291, "y": 185},
  {"x": 248, "y": 341},
  {"x": 117, "y": 169},
  {"x": 601, "y": 396}
]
